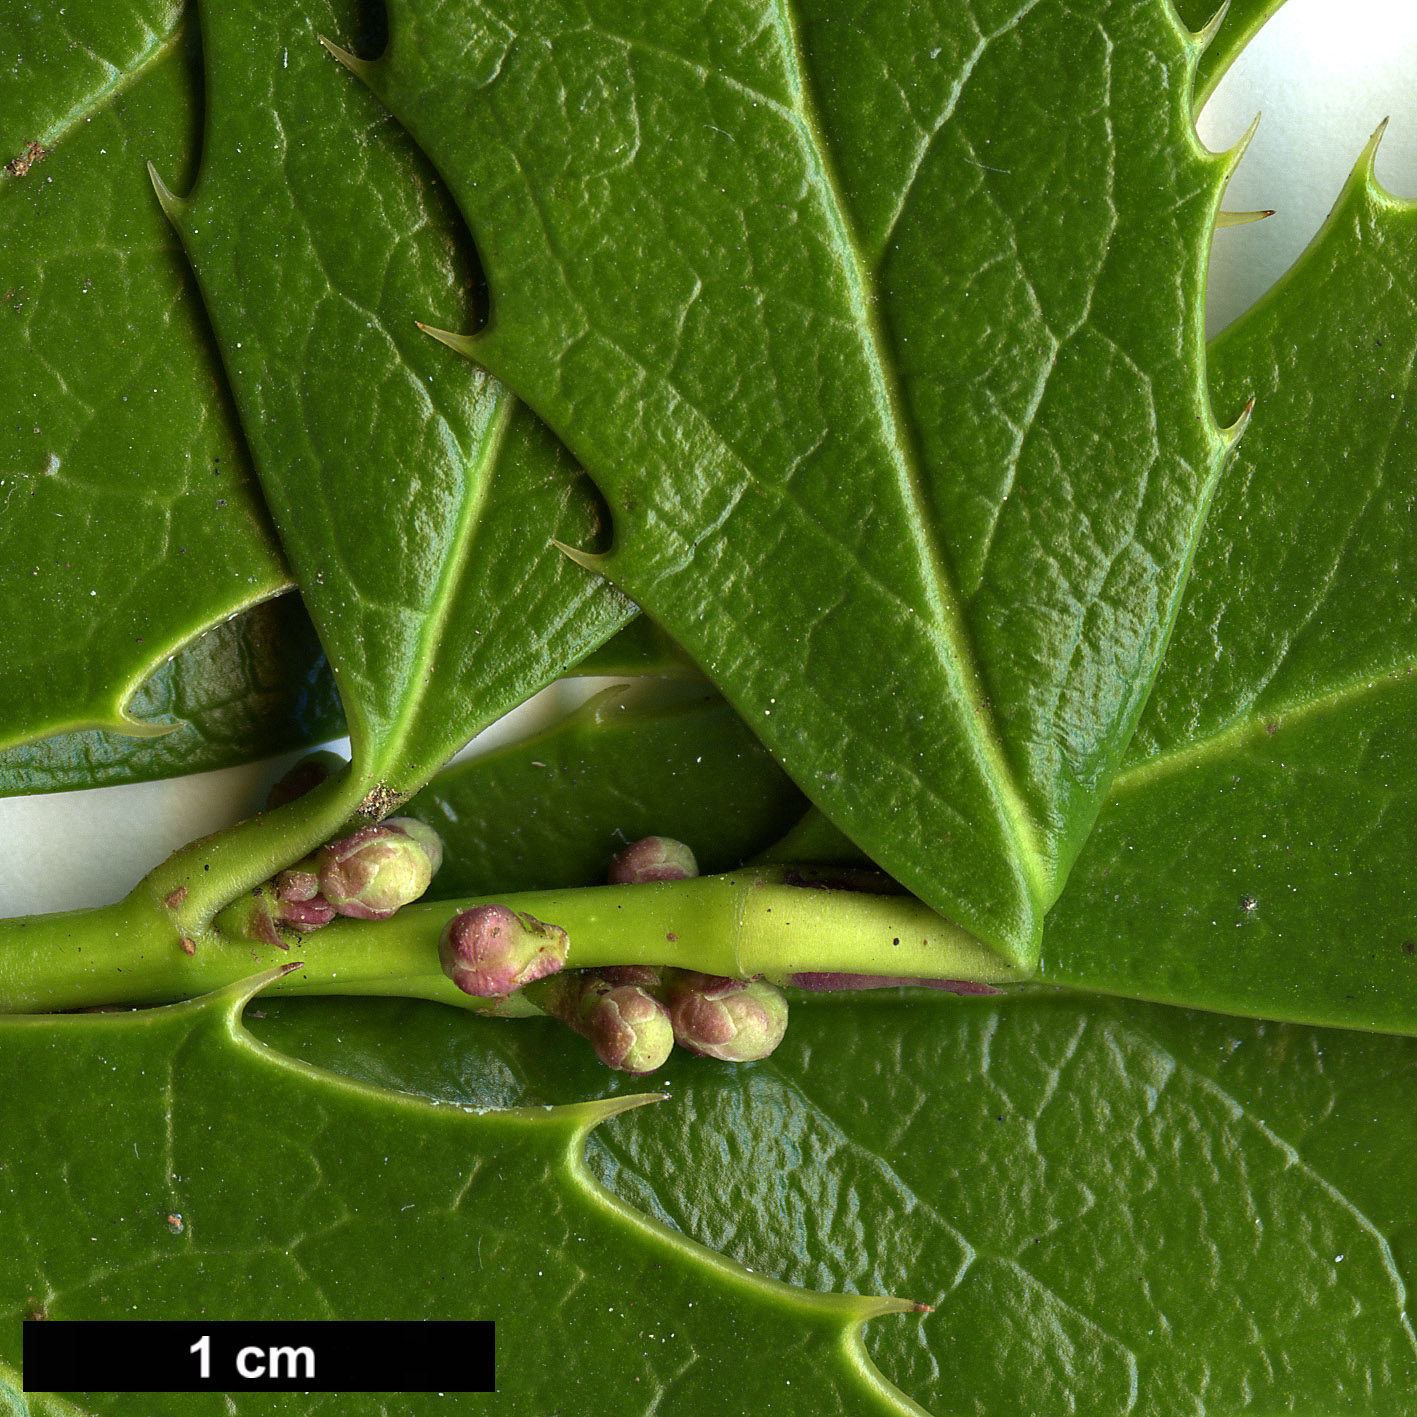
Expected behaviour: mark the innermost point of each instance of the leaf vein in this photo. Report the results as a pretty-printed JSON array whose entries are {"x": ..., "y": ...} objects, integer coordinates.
[
  {"x": 120, "y": 80},
  {"x": 944, "y": 603}
]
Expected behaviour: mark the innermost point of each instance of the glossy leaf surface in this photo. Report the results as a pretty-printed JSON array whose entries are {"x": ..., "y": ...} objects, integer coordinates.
[
  {"x": 203, "y": 1174},
  {"x": 1113, "y": 1207},
  {"x": 893, "y": 381},
  {"x": 416, "y": 501},
  {"x": 553, "y": 810},
  {"x": 1254, "y": 853},
  {"x": 128, "y": 517},
  {"x": 249, "y": 688}
]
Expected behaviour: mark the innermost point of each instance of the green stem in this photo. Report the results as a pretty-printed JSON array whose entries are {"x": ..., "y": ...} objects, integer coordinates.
[
  {"x": 193, "y": 884},
  {"x": 743, "y": 924},
  {"x": 218, "y": 868}
]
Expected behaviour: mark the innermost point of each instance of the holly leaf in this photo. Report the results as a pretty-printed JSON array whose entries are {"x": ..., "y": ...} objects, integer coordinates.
[
  {"x": 129, "y": 521},
  {"x": 1253, "y": 855},
  {"x": 892, "y": 378},
  {"x": 416, "y": 501},
  {"x": 1111, "y": 1207},
  {"x": 470, "y": 1213}
]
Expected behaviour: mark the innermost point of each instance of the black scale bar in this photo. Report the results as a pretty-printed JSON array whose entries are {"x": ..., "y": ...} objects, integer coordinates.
[{"x": 269, "y": 1356}]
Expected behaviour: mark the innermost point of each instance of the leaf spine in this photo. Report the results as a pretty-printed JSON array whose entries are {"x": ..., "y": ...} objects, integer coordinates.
[
  {"x": 1365, "y": 169},
  {"x": 1233, "y": 156},
  {"x": 1205, "y": 36},
  {"x": 171, "y": 204},
  {"x": 870, "y": 1306},
  {"x": 361, "y": 68},
  {"x": 1235, "y": 431},
  {"x": 587, "y": 1116},
  {"x": 464, "y": 345},
  {"x": 593, "y": 561},
  {"x": 1240, "y": 218}
]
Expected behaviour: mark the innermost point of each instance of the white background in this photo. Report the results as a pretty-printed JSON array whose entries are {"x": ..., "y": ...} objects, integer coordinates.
[{"x": 1322, "y": 75}]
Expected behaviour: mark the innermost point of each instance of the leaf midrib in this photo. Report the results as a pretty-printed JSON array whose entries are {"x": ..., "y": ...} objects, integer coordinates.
[
  {"x": 960, "y": 663},
  {"x": 119, "y": 82},
  {"x": 482, "y": 466}
]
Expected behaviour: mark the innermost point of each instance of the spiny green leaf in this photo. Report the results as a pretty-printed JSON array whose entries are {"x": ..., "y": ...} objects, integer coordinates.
[
  {"x": 1114, "y": 1208},
  {"x": 416, "y": 501},
  {"x": 196, "y": 1172},
  {"x": 1233, "y": 24},
  {"x": 1254, "y": 855},
  {"x": 880, "y": 332},
  {"x": 128, "y": 517}
]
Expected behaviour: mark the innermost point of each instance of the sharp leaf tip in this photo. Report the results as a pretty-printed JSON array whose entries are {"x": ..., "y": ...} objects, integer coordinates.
[
  {"x": 588, "y": 560},
  {"x": 1224, "y": 219},
  {"x": 1205, "y": 36},
  {"x": 459, "y": 344},
  {"x": 170, "y": 203},
  {"x": 350, "y": 61}
]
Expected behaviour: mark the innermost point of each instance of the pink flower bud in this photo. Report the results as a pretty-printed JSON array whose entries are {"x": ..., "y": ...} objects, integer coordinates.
[
  {"x": 653, "y": 858},
  {"x": 734, "y": 1020},
  {"x": 490, "y": 951},
  {"x": 372, "y": 873}
]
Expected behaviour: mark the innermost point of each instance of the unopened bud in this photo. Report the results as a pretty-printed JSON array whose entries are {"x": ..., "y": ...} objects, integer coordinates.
[
  {"x": 253, "y": 917},
  {"x": 490, "y": 951},
  {"x": 625, "y": 1023},
  {"x": 628, "y": 1027},
  {"x": 299, "y": 904},
  {"x": 377, "y": 870},
  {"x": 653, "y": 858},
  {"x": 304, "y": 777},
  {"x": 424, "y": 835},
  {"x": 734, "y": 1020}
]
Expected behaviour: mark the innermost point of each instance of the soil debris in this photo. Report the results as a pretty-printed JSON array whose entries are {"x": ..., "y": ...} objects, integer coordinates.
[{"x": 33, "y": 153}]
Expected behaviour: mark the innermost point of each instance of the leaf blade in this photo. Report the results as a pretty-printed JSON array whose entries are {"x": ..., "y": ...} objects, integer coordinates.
[
  {"x": 1020, "y": 1178},
  {"x": 1257, "y": 838},
  {"x": 728, "y": 492},
  {"x": 417, "y": 504},
  {"x": 250, "y": 688},
  {"x": 488, "y": 1214},
  {"x": 131, "y": 521}
]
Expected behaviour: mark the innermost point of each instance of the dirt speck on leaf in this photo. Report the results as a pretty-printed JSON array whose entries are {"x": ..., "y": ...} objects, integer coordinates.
[{"x": 33, "y": 153}]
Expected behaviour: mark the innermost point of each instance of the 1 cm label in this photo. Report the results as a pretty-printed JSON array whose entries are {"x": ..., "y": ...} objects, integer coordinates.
[{"x": 252, "y": 1362}]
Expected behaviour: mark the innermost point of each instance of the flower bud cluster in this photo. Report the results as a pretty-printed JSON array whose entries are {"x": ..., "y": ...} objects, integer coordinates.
[
  {"x": 632, "y": 1015},
  {"x": 368, "y": 875}
]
